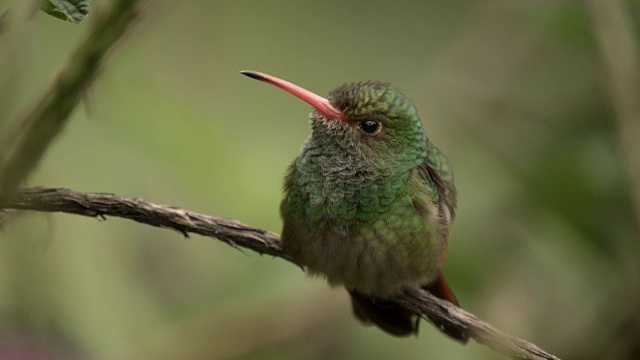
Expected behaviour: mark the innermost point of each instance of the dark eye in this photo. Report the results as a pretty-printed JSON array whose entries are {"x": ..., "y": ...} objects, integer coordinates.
[{"x": 370, "y": 126}]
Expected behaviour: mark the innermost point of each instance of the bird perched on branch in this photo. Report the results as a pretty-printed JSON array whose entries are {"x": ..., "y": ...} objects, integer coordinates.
[{"x": 369, "y": 201}]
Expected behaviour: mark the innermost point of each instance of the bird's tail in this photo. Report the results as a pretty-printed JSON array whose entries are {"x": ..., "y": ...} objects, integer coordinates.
[{"x": 399, "y": 321}]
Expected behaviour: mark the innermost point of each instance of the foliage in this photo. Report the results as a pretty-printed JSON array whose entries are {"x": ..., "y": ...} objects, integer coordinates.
[{"x": 70, "y": 10}]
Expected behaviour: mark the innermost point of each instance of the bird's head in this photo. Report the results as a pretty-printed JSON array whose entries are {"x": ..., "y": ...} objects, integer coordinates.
[{"x": 374, "y": 120}]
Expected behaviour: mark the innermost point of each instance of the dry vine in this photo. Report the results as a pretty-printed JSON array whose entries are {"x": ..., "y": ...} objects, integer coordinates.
[{"x": 238, "y": 234}]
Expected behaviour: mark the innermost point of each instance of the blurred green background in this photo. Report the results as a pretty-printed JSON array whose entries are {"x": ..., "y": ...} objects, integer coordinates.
[{"x": 544, "y": 246}]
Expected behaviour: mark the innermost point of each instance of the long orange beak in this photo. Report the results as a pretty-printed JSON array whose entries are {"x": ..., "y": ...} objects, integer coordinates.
[{"x": 322, "y": 105}]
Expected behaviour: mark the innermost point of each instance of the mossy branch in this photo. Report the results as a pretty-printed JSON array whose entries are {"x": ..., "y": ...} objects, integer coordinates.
[{"x": 238, "y": 234}]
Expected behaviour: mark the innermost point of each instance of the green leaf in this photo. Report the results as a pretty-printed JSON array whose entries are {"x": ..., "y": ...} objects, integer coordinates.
[{"x": 70, "y": 10}]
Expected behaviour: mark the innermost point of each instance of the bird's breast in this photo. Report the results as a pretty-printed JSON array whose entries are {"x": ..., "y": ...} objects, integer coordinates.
[{"x": 361, "y": 229}]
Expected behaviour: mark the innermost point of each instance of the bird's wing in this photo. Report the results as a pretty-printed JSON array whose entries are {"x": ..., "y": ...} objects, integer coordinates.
[{"x": 436, "y": 170}]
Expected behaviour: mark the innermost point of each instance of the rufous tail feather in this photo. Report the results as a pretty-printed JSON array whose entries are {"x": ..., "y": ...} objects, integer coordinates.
[{"x": 399, "y": 321}]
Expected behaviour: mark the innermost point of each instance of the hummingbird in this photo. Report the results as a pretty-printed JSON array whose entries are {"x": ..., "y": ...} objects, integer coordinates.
[{"x": 369, "y": 201}]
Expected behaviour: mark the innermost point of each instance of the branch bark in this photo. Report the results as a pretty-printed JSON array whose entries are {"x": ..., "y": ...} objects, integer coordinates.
[{"x": 261, "y": 241}]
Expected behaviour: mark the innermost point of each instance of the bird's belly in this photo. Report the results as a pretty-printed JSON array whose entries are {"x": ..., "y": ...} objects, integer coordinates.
[{"x": 377, "y": 258}]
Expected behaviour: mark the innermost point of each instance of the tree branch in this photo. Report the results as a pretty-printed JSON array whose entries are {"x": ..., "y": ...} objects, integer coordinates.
[
  {"x": 22, "y": 147},
  {"x": 261, "y": 241}
]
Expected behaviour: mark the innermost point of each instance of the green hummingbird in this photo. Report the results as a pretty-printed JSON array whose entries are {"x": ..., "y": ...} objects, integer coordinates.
[{"x": 369, "y": 201}]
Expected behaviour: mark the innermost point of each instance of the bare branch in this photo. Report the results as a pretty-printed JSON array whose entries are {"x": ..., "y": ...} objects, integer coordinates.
[
  {"x": 482, "y": 332},
  {"x": 229, "y": 231},
  {"x": 261, "y": 241}
]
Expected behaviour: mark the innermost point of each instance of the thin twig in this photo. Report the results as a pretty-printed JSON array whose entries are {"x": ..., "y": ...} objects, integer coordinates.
[
  {"x": 238, "y": 234},
  {"x": 22, "y": 147}
]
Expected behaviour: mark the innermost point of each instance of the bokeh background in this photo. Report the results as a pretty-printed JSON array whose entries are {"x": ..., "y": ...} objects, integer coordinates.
[{"x": 545, "y": 245}]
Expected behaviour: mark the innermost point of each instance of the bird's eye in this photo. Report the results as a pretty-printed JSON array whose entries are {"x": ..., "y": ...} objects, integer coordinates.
[{"x": 370, "y": 127}]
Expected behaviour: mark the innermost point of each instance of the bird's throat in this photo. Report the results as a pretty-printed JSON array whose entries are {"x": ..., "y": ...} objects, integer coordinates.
[{"x": 341, "y": 189}]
